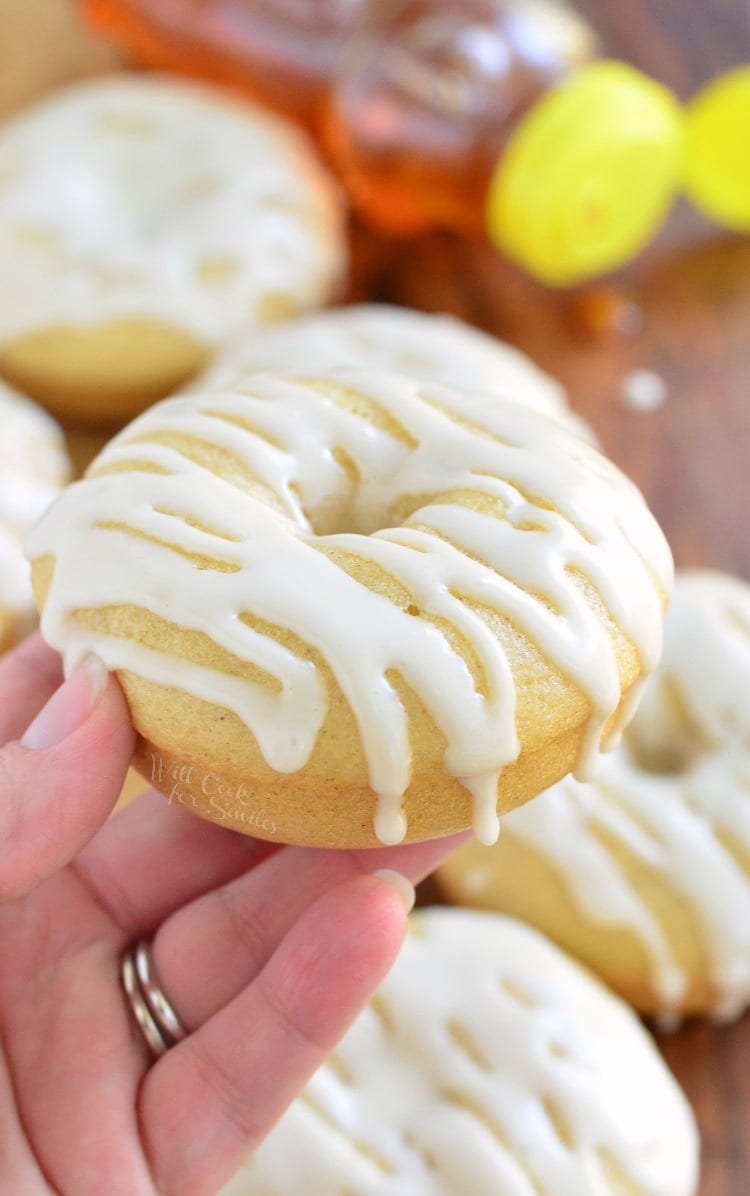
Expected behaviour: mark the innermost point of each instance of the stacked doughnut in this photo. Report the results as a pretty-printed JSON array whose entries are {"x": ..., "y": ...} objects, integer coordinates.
[
  {"x": 377, "y": 337},
  {"x": 33, "y": 470},
  {"x": 644, "y": 874}
]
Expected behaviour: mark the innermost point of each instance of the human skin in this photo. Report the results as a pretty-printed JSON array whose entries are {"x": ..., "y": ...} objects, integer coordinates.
[{"x": 268, "y": 954}]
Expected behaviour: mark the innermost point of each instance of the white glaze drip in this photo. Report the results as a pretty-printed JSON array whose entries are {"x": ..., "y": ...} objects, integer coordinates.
[
  {"x": 485, "y": 820},
  {"x": 33, "y": 468},
  {"x": 490, "y": 1065},
  {"x": 135, "y": 196},
  {"x": 688, "y": 824},
  {"x": 411, "y": 446}
]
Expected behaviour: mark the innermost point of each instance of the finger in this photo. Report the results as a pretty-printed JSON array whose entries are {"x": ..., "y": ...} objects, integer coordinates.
[
  {"x": 207, "y": 952},
  {"x": 19, "y": 1171},
  {"x": 29, "y": 675},
  {"x": 214, "y": 1097},
  {"x": 59, "y": 783},
  {"x": 68, "y": 1040},
  {"x": 155, "y": 856}
]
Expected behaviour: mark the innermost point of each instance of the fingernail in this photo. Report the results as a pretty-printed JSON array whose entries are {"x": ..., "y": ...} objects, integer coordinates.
[
  {"x": 69, "y": 707},
  {"x": 401, "y": 884}
]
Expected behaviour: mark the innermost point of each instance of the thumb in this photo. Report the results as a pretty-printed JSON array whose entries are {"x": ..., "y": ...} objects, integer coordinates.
[{"x": 60, "y": 782}]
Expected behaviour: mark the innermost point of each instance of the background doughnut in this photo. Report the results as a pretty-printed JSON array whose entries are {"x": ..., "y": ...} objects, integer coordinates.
[
  {"x": 144, "y": 222},
  {"x": 488, "y": 1063},
  {"x": 644, "y": 874},
  {"x": 33, "y": 470},
  {"x": 379, "y": 336}
]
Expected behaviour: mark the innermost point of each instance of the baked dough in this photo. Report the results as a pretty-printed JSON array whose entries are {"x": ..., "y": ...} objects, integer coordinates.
[
  {"x": 488, "y": 1064},
  {"x": 378, "y": 336},
  {"x": 354, "y": 608},
  {"x": 33, "y": 469},
  {"x": 645, "y": 873},
  {"x": 143, "y": 223}
]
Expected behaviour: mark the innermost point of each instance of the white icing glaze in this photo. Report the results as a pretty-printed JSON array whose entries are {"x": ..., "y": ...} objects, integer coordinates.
[
  {"x": 491, "y": 1065},
  {"x": 33, "y": 468},
  {"x": 410, "y": 445},
  {"x": 690, "y": 824},
  {"x": 434, "y": 348},
  {"x": 134, "y": 196}
]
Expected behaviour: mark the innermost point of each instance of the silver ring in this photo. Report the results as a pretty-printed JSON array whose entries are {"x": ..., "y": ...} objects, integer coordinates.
[
  {"x": 164, "y": 1015},
  {"x": 154, "y": 1015}
]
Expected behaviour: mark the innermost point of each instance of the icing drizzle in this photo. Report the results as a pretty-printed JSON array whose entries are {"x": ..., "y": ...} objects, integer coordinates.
[
  {"x": 675, "y": 796},
  {"x": 391, "y": 461}
]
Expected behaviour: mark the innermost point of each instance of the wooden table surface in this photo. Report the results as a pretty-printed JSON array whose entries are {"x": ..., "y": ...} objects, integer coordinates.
[{"x": 691, "y": 457}]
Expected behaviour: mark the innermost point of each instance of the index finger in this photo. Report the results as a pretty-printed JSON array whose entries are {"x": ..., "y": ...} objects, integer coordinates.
[
  {"x": 29, "y": 675},
  {"x": 237, "y": 1074}
]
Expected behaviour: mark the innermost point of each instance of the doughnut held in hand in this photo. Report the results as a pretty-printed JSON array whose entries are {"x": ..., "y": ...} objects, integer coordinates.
[
  {"x": 354, "y": 608},
  {"x": 33, "y": 469},
  {"x": 143, "y": 222},
  {"x": 645, "y": 873},
  {"x": 488, "y": 1063}
]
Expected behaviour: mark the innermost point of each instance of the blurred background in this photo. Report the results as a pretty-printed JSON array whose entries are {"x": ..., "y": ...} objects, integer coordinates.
[{"x": 679, "y": 309}]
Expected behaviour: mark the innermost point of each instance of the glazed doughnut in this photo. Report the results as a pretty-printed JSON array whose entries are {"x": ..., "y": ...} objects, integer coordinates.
[
  {"x": 144, "y": 222},
  {"x": 645, "y": 874},
  {"x": 33, "y": 469},
  {"x": 488, "y": 1064},
  {"x": 354, "y": 608},
  {"x": 373, "y": 336}
]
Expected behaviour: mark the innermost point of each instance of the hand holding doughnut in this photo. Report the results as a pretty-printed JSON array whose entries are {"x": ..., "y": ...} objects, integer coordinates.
[{"x": 266, "y": 954}]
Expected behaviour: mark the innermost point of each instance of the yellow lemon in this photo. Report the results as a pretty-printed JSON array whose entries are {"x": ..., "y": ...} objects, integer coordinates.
[
  {"x": 589, "y": 174},
  {"x": 718, "y": 150}
]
